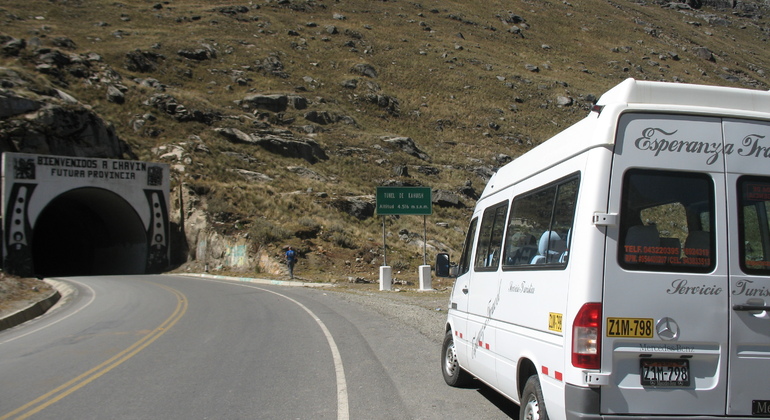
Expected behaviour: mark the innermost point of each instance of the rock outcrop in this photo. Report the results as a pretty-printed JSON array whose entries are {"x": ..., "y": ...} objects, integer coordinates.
[
  {"x": 55, "y": 125},
  {"x": 283, "y": 143}
]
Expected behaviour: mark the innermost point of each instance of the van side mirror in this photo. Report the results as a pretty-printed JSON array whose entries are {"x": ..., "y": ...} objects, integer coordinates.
[{"x": 444, "y": 267}]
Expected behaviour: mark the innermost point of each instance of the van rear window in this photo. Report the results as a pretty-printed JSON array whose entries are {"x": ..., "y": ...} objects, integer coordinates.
[
  {"x": 754, "y": 220},
  {"x": 666, "y": 221}
]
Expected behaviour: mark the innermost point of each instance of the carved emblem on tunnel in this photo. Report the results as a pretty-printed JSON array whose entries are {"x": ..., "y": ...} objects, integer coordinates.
[{"x": 667, "y": 329}]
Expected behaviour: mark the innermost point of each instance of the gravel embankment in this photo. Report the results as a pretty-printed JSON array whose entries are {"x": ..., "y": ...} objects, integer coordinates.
[{"x": 424, "y": 311}]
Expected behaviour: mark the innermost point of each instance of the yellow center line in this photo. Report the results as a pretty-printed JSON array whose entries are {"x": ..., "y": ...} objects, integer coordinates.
[{"x": 84, "y": 379}]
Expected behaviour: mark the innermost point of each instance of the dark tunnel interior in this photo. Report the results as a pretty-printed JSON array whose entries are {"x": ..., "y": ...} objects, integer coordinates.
[{"x": 88, "y": 231}]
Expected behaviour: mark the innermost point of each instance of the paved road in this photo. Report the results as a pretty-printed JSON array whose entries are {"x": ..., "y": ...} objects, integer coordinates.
[{"x": 170, "y": 347}]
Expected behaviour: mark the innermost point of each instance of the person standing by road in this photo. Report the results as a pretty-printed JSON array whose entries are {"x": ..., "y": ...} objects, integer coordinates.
[{"x": 291, "y": 259}]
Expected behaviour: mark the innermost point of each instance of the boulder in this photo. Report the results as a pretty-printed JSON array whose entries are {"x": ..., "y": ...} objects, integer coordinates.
[
  {"x": 320, "y": 117},
  {"x": 485, "y": 172},
  {"x": 232, "y": 10},
  {"x": 364, "y": 70},
  {"x": 179, "y": 112},
  {"x": 198, "y": 54},
  {"x": 283, "y": 144},
  {"x": 386, "y": 102},
  {"x": 13, "y": 47},
  {"x": 307, "y": 173},
  {"x": 142, "y": 61},
  {"x": 64, "y": 42},
  {"x": 401, "y": 171},
  {"x": 360, "y": 207},
  {"x": 274, "y": 103},
  {"x": 235, "y": 135},
  {"x": 443, "y": 198},
  {"x": 12, "y": 104},
  {"x": 272, "y": 65},
  {"x": 298, "y": 102},
  {"x": 251, "y": 175},
  {"x": 114, "y": 95},
  {"x": 564, "y": 100},
  {"x": 703, "y": 53},
  {"x": 307, "y": 149},
  {"x": 407, "y": 145},
  {"x": 55, "y": 58},
  {"x": 468, "y": 190}
]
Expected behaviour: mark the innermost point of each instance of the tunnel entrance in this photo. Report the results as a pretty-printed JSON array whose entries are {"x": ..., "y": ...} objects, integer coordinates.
[
  {"x": 68, "y": 216},
  {"x": 88, "y": 231}
]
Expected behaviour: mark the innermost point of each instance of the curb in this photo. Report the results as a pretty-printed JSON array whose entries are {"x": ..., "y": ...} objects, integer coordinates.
[
  {"x": 32, "y": 311},
  {"x": 290, "y": 283}
]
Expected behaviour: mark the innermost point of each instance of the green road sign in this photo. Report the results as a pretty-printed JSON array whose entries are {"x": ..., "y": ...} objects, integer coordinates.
[{"x": 404, "y": 200}]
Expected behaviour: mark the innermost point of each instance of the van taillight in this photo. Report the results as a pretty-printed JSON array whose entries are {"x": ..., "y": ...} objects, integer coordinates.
[{"x": 587, "y": 337}]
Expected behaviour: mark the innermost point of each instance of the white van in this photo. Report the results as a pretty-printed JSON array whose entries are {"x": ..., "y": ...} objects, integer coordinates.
[{"x": 622, "y": 268}]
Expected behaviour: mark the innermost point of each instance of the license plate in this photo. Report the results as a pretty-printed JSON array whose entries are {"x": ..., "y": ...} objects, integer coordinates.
[
  {"x": 760, "y": 408},
  {"x": 629, "y": 327},
  {"x": 665, "y": 373}
]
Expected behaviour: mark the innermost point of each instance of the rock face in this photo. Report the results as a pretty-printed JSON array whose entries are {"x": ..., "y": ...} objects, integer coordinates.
[
  {"x": 169, "y": 105},
  {"x": 55, "y": 126},
  {"x": 281, "y": 143},
  {"x": 275, "y": 103},
  {"x": 447, "y": 199},
  {"x": 308, "y": 149},
  {"x": 361, "y": 207},
  {"x": 142, "y": 61},
  {"x": 12, "y": 105}
]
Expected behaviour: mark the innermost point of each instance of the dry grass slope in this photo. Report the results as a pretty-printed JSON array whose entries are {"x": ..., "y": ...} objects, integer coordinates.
[{"x": 476, "y": 82}]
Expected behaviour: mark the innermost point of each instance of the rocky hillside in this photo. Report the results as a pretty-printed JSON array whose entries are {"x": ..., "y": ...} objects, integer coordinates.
[{"x": 281, "y": 117}]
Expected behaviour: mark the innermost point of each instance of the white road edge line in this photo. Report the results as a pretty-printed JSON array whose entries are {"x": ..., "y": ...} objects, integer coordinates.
[{"x": 343, "y": 410}]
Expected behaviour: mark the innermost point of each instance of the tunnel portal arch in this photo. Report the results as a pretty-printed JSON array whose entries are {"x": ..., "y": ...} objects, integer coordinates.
[
  {"x": 65, "y": 216},
  {"x": 102, "y": 235}
]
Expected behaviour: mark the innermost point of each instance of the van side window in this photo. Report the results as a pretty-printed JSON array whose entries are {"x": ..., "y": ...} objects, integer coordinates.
[
  {"x": 754, "y": 221},
  {"x": 540, "y": 225},
  {"x": 666, "y": 221},
  {"x": 490, "y": 243},
  {"x": 465, "y": 257}
]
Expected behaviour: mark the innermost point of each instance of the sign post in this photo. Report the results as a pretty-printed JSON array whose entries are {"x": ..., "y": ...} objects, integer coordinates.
[{"x": 405, "y": 201}]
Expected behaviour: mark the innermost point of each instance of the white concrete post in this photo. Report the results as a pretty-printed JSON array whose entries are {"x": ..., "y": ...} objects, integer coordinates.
[
  {"x": 386, "y": 277},
  {"x": 425, "y": 280}
]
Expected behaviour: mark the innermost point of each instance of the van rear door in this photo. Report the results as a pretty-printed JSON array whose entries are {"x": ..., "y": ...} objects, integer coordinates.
[
  {"x": 666, "y": 291},
  {"x": 748, "y": 188}
]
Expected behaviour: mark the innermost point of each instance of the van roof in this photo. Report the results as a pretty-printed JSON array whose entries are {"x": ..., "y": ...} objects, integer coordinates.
[
  {"x": 598, "y": 128},
  {"x": 633, "y": 91}
]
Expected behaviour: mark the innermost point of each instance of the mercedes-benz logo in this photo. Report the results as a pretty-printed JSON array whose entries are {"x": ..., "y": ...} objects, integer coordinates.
[{"x": 667, "y": 329}]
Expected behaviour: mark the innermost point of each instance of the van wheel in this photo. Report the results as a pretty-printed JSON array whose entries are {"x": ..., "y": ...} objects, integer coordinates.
[
  {"x": 532, "y": 404},
  {"x": 454, "y": 375}
]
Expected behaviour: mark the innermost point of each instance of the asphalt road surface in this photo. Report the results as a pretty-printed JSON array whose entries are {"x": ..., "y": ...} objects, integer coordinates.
[{"x": 171, "y": 347}]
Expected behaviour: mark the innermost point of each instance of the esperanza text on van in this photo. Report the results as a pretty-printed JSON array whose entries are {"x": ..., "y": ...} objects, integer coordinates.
[{"x": 651, "y": 141}]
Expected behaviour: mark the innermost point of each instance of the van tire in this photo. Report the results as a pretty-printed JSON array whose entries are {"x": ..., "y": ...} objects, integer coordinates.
[
  {"x": 532, "y": 405},
  {"x": 453, "y": 374}
]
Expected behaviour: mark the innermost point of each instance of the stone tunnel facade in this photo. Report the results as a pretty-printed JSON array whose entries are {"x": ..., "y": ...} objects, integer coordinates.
[{"x": 64, "y": 216}]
